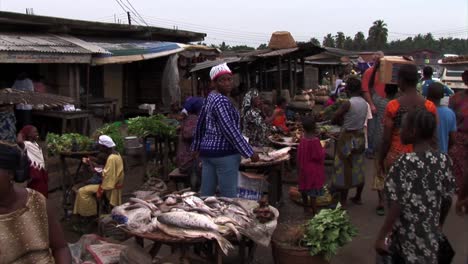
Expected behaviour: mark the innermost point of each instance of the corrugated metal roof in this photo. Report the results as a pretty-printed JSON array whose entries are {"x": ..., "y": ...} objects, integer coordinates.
[
  {"x": 211, "y": 63},
  {"x": 45, "y": 43},
  {"x": 279, "y": 52}
]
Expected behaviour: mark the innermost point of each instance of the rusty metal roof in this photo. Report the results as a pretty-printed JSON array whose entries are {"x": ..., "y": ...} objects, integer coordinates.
[{"x": 46, "y": 43}]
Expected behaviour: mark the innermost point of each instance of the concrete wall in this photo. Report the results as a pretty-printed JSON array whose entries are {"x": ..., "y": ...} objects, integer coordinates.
[{"x": 113, "y": 83}]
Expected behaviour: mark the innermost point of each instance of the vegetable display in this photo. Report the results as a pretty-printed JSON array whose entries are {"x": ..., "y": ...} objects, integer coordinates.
[
  {"x": 67, "y": 143},
  {"x": 156, "y": 125},
  {"x": 328, "y": 231}
]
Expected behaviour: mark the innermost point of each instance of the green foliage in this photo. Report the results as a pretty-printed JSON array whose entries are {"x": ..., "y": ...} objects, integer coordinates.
[
  {"x": 64, "y": 143},
  {"x": 340, "y": 40},
  {"x": 114, "y": 131},
  {"x": 329, "y": 41},
  {"x": 156, "y": 125},
  {"x": 328, "y": 231},
  {"x": 378, "y": 34}
]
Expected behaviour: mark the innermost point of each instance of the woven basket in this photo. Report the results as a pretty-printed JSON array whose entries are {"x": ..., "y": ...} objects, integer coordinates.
[{"x": 281, "y": 40}]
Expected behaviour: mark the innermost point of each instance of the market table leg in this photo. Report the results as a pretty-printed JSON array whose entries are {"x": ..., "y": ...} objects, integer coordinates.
[
  {"x": 140, "y": 241},
  {"x": 64, "y": 125},
  {"x": 155, "y": 249},
  {"x": 252, "y": 248},
  {"x": 242, "y": 250}
]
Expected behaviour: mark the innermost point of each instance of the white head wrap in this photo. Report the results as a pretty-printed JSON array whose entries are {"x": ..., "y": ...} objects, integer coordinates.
[
  {"x": 219, "y": 70},
  {"x": 106, "y": 141}
]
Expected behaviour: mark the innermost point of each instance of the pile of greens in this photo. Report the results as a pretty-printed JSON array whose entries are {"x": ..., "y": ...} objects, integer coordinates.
[
  {"x": 156, "y": 125},
  {"x": 114, "y": 131},
  {"x": 67, "y": 143},
  {"x": 328, "y": 231}
]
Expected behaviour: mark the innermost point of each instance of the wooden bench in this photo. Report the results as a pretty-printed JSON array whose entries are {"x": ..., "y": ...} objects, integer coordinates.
[{"x": 179, "y": 178}]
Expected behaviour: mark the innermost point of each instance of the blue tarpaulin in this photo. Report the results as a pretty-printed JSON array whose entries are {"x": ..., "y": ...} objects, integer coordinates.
[{"x": 126, "y": 51}]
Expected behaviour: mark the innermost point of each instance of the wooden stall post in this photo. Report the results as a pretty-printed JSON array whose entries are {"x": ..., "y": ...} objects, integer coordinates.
[
  {"x": 295, "y": 77},
  {"x": 303, "y": 73},
  {"x": 291, "y": 87},
  {"x": 280, "y": 76},
  {"x": 87, "y": 85}
]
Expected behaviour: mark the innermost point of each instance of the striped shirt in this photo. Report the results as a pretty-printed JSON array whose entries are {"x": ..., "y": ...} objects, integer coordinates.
[{"x": 218, "y": 129}]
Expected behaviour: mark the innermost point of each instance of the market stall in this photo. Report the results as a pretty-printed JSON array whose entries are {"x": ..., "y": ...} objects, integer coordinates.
[
  {"x": 65, "y": 117},
  {"x": 185, "y": 221}
]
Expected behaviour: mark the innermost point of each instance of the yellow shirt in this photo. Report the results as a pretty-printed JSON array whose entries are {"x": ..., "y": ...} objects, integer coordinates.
[{"x": 112, "y": 179}]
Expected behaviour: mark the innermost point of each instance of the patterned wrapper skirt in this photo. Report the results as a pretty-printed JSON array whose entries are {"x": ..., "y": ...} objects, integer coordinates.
[
  {"x": 349, "y": 160},
  {"x": 459, "y": 152},
  {"x": 7, "y": 126}
]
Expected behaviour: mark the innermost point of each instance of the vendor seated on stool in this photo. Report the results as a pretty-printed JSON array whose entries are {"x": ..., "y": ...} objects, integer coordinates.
[
  {"x": 112, "y": 179},
  {"x": 279, "y": 115}
]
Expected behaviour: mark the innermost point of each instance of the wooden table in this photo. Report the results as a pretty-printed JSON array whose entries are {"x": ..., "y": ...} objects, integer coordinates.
[
  {"x": 97, "y": 103},
  {"x": 275, "y": 170},
  {"x": 184, "y": 245},
  {"x": 65, "y": 116},
  {"x": 68, "y": 179}
]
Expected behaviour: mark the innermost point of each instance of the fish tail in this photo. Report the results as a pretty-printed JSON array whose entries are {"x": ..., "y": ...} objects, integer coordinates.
[
  {"x": 234, "y": 229},
  {"x": 224, "y": 244}
]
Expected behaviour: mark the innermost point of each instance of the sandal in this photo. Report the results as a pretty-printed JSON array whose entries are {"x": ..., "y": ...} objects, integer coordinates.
[
  {"x": 380, "y": 211},
  {"x": 356, "y": 201}
]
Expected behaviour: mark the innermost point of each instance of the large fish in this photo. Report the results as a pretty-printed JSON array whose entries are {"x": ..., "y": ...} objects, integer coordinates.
[
  {"x": 188, "y": 220},
  {"x": 223, "y": 243}
]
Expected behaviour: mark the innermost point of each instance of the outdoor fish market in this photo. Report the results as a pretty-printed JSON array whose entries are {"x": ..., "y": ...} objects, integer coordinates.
[{"x": 132, "y": 143}]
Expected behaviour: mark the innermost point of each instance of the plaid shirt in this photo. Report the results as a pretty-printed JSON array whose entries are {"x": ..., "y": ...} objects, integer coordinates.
[{"x": 218, "y": 129}]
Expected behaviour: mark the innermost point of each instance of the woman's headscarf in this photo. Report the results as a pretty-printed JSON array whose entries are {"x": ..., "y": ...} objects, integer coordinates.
[
  {"x": 193, "y": 105},
  {"x": 27, "y": 130},
  {"x": 247, "y": 101}
]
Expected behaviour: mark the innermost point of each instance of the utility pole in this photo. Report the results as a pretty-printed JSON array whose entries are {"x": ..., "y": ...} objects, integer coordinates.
[{"x": 129, "y": 18}]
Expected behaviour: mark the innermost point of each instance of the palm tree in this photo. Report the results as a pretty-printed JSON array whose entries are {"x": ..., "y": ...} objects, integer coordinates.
[
  {"x": 340, "y": 40},
  {"x": 329, "y": 41},
  {"x": 315, "y": 41},
  {"x": 359, "y": 42},
  {"x": 378, "y": 34}
]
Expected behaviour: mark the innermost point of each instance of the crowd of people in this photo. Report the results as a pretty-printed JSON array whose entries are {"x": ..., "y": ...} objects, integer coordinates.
[
  {"x": 418, "y": 146},
  {"x": 417, "y": 143}
]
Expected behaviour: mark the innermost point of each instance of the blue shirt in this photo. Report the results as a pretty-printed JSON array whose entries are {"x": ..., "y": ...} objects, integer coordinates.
[
  {"x": 218, "y": 129},
  {"x": 425, "y": 88},
  {"x": 447, "y": 123}
]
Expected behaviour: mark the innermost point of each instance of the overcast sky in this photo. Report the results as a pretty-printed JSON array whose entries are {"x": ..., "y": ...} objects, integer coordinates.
[{"x": 251, "y": 22}]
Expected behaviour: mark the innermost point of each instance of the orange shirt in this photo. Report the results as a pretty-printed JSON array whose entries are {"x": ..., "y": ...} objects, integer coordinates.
[
  {"x": 379, "y": 87},
  {"x": 394, "y": 113},
  {"x": 280, "y": 119}
]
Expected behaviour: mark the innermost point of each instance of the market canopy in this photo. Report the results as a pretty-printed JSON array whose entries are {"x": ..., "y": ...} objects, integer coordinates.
[
  {"x": 45, "y": 48},
  {"x": 12, "y": 97},
  {"x": 126, "y": 50}
]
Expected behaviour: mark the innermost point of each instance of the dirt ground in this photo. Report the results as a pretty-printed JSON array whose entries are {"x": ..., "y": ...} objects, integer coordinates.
[{"x": 359, "y": 251}]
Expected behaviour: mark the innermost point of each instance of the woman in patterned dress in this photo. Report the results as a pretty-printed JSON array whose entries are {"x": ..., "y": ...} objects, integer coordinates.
[{"x": 417, "y": 186}]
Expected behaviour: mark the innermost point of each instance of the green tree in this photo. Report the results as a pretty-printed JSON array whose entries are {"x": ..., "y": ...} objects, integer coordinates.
[
  {"x": 359, "y": 41},
  {"x": 241, "y": 48},
  {"x": 328, "y": 41},
  {"x": 378, "y": 34},
  {"x": 339, "y": 40},
  {"x": 348, "y": 43},
  {"x": 224, "y": 46},
  {"x": 262, "y": 46},
  {"x": 315, "y": 41}
]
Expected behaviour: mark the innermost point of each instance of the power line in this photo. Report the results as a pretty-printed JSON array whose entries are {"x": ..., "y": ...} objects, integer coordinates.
[
  {"x": 121, "y": 6},
  {"x": 137, "y": 13}
]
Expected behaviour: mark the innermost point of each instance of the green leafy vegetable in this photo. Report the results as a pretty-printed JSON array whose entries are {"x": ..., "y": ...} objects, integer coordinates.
[
  {"x": 67, "y": 142},
  {"x": 156, "y": 125},
  {"x": 328, "y": 231}
]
